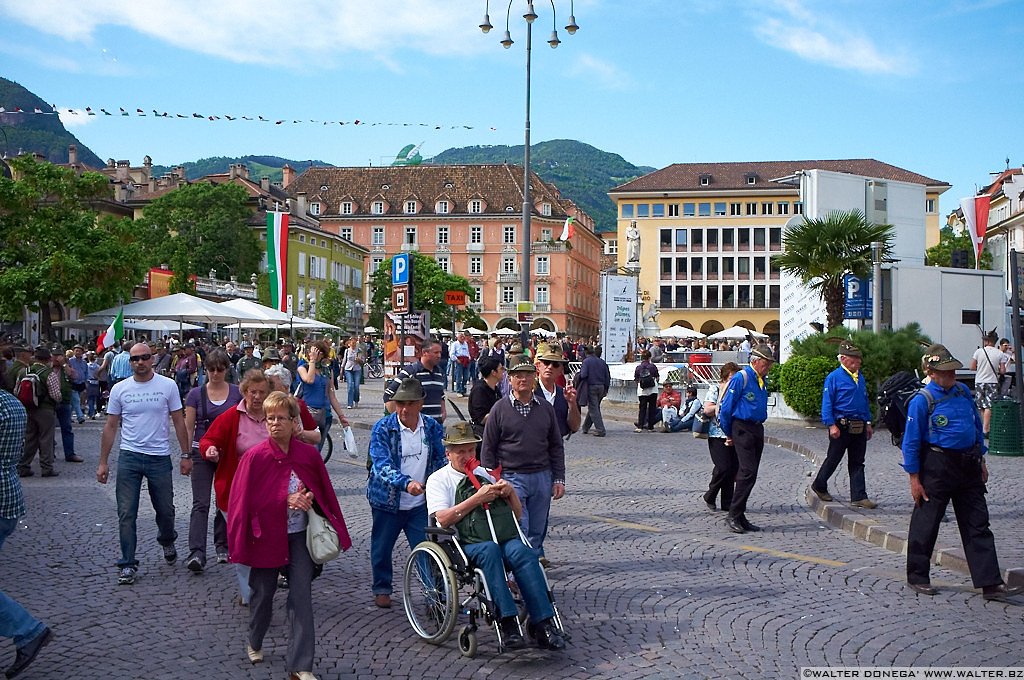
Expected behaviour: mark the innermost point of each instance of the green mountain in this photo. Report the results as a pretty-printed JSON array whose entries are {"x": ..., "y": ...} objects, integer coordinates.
[
  {"x": 581, "y": 172},
  {"x": 259, "y": 166},
  {"x": 34, "y": 133}
]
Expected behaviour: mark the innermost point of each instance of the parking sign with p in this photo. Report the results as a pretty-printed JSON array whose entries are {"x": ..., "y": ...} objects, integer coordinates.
[{"x": 400, "y": 268}]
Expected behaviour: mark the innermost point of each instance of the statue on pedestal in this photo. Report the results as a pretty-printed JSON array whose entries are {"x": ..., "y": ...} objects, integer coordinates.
[{"x": 632, "y": 243}]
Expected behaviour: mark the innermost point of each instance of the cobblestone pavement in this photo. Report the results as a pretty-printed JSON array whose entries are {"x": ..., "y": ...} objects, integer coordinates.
[{"x": 649, "y": 582}]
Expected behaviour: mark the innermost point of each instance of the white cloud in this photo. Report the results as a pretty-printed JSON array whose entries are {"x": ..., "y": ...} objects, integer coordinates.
[
  {"x": 267, "y": 31},
  {"x": 606, "y": 75},
  {"x": 789, "y": 25}
]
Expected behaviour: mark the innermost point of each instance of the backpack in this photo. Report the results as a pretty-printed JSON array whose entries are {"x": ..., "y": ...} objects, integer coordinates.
[
  {"x": 894, "y": 397},
  {"x": 647, "y": 380},
  {"x": 31, "y": 389}
]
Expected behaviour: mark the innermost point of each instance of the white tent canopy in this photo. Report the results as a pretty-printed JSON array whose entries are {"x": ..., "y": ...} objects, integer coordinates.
[
  {"x": 543, "y": 332},
  {"x": 299, "y": 322},
  {"x": 371, "y": 330},
  {"x": 735, "y": 333},
  {"x": 506, "y": 331},
  {"x": 178, "y": 307},
  {"x": 161, "y": 326},
  {"x": 440, "y": 331},
  {"x": 474, "y": 331},
  {"x": 262, "y": 312},
  {"x": 680, "y": 332}
]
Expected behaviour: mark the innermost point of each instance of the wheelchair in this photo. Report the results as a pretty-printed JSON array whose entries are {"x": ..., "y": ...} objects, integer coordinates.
[{"x": 435, "y": 573}]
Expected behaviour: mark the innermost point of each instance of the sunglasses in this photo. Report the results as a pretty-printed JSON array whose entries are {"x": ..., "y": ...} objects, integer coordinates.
[
  {"x": 546, "y": 362},
  {"x": 140, "y": 357}
]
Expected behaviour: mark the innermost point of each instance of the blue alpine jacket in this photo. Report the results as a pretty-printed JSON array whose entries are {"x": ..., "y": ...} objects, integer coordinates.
[{"x": 386, "y": 483}]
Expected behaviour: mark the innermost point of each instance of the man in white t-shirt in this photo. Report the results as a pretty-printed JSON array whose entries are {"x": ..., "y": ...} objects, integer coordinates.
[
  {"x": 451, "y": 506},
  {"x": 989, "y": 364},
  {"x": 141, "y": 407}
]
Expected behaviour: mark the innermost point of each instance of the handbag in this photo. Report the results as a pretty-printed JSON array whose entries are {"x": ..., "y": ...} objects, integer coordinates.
[
  {"x": 321, "y": 538},
  {"x": 701, "y": 426},
  {"x": 350, "y": 439}
]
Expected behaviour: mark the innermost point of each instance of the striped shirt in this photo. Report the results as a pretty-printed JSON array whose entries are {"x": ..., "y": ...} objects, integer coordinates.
[
  {"x": 13, "y": 421},
  {"x": 433, "y": 387}
]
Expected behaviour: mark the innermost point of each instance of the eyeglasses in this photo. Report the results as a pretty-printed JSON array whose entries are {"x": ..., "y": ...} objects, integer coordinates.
[
  {"x": 276, "y": 419},
  {"x": 140, "y": 357}
]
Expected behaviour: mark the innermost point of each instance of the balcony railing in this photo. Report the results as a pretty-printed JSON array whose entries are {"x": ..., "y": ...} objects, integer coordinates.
[
  {"x": 474, "y": 247},
  {"x": 507, "y": 277},
  {"x": 507, "y": 308}
]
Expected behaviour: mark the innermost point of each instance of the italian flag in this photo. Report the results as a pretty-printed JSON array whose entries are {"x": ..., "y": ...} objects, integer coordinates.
[
  {"x": 568, "y": 229},
  {"x": 114, "y": 332},
  {"x": 277, "y": 258}
]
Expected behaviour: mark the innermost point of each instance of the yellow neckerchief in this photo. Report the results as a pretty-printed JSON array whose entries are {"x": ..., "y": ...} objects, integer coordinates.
[
  {"x": 760, "y": 380},
  {"x": 852, "y": 375}
]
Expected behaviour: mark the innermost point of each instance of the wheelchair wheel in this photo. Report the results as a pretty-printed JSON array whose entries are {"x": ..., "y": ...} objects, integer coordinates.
[
  {"x": 430, "y": 593},
  {"x": 467, "y": 641}
]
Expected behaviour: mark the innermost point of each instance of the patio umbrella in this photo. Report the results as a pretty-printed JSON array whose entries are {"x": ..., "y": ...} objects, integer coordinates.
[
  {"x": 440, "y": 331},
  {"x": 180, "y": 307},
  {"x": 132, "y": 324},
  {"x": 680, "y": 332},
  {"x": 474, "y": 331},
  {"x": 258, "y": 311},
  {"x": 371, "y": 330},
  {"x": 735, "y": 333},
  {"x": 506, "y": 331}
]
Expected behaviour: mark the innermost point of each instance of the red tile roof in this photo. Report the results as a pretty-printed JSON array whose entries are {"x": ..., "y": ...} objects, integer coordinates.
[{"x": 733, "y": 176}]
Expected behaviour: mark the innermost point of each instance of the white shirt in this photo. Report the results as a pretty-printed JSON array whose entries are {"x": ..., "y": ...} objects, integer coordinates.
[
  {"x": 442, "y": 485},
  {"x": 985, "y": 374},
  {"x": 415, "y": 453},
  {"x": 145, "y": 409}
]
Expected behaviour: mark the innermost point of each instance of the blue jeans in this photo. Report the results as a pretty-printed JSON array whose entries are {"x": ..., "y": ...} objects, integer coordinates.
[
  {"x": 461, "y": 374},
  {"x": 352, "y": 380},
  {"x": 386, "y": 527},
  {"x": 76, "y": 405},
  {"x": 491, "y": 558},
  {"x": 131, "y": 469},
  {"x": 534, "y": 491},
  {"x": 67, "y": 435},
  {"x": 15, "y": 621}
]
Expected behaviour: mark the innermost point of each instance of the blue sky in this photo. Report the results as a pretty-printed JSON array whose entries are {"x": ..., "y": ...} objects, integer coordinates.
[{"x": 930, "y": 86}]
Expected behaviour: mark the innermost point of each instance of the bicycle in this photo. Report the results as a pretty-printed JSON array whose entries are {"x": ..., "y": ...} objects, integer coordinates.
[{"x": 375, "y": 369}]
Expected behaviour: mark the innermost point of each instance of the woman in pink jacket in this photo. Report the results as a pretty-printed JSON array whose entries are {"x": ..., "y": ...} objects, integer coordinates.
[{"x": 276, "y": 482}]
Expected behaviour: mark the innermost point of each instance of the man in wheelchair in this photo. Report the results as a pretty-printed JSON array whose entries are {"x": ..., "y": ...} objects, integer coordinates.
[{"x": 457, "y": 500}]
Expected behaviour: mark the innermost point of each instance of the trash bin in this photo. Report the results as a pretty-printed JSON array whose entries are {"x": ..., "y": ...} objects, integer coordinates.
[{"x": 1004, "y": 436}]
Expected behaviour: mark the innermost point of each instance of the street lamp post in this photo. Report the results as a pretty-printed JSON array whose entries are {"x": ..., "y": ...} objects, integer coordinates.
[{"x": 530, "y": 16}]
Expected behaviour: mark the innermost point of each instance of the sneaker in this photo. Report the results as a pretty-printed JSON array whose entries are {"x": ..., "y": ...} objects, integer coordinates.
[
  {"x": 126, "y": 576},
  {"x": 170, "y": 554},
  {"x": 638, "y": 429},
  {"x": 865, "y": 503},
  {"x": 222, "y": 555},
  {"x": 194, "y": 563}
]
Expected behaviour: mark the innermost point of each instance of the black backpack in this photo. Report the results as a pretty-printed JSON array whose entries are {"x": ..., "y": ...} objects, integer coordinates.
[
  {"x": 647, "y": 379},
  {"x": 894, "y": 397}
]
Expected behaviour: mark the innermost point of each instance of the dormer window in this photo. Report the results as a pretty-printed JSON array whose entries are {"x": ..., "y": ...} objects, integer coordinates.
[
  {"x": 410, "y": 207},
  {"x": 705, "y": 180},
  {"x": 314, "y": 208},
  {"x": 751, "y": 178},
  {"x": 442, "y": 208},
  {"x": 449, "y": 185},
  {"x": 377, "y": 208},
  {"x": 476, "y": 206},
  {"x": 324, "y": 187},
  {"x": 385, "y": 187},
  {"x": 346, "y": 208},
  {"x": 545, "y": 209}
]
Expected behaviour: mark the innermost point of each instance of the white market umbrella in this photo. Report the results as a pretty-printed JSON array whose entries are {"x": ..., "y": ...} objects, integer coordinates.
[
  {"x": 440, "y": 331},
  {"x": 506, "y": 331},
  {"x": 680, "y": 332},
  {"x": 131, "y": 324},
  {"x": 735, "y": 333},
  {"x": 261, "y": 312},
  {"x": 294, "y": 322},
  {"x": 371, "y": 330},
  {"x": 474, "y": 331},
  {"x": 179, "y": 307},
  {"x": 542, "y": 332}
]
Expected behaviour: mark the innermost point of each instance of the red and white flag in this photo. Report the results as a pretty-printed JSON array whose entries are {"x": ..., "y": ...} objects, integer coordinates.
[
  {"x": 976, "y": 215},
  {"x": 114, "y": 332},
  {"x": 568, "y": 229}
]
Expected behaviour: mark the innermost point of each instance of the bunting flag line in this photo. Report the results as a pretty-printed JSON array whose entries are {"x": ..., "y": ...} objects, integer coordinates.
[
  {"x": 975, "y": 211},
  {"x": 277, "y": 258},
  {"x": 121, "y": 111}
]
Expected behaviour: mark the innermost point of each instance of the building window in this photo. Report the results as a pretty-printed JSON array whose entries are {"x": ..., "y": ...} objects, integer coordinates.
[
  {"x": 798, "y": 208},
  {"x": 476, "y": 234},
  {"x": 508, "y": 233},
  {"x": 545, "y": 234},
  {"x": 476, "y": 265},
  {"x": 783, "y": 207},
  {"x": 727, "y": 239},
  {"x": 346, "y": 208},
  {"x": 375, "y": 264},
  {"x": 540, "y": 295},
  {"x": 751, "y": 179},
  {"x": 302, "y": 263},
  {"x": 743, "y": 266},
  {"x": 743, "y": 296},
  {"x": 929, "y": 205},
  {"x": 704, "y": 210},
  {"x": 751, "y": 208},
  {"x": 611, "y": 247},
  {"x": 697, "y": 239},
  {"x": 728, "y": 266},
  {"x": 508, "y": 294},
  {"x": 697, "y": 296},
  {"x": 743, "y": 239},
  {"x": 712, "y": 239},
  {"x": 712, "y": 297},
  {"x": 378, "y": 236},
  {"x": 442, "y": 207},
  {"x": 759, "y": 239},
  {"x": 545, "y": 209},
  {"x": 735, "y": 209},
  {"x": 643, "y": 209},
  {"x": 543, "y": 265},
  {"x": 345, "y": 233},
  {"x": 478, "y": 294},
  {"x": 302, "y": 238},
  {"x": 410, "y": 207},
  {"x": 665, "y": 300},
  {"x": 688, "y": 209},
  {"x": 658, "y": 210},
  {"x": 775, "y": 238},
  {"x": 680, "y": 238},
  {"x": 773, "y": 296},
  {"x": 673, "y": 210},
  {"x": 410, "y": 236},
  {"x": 720, "y": 209},
  {"x": 377, "y": 207},
  {"x": 442, "y": 234},
  {"x": 666, "y": 267},
  {"x": 680, "y": 297},
  {"x": 728, "y": 296},
  {"x": 314, "y": 208},
  {"x": 508, "y": 265},
  {"x": 476, "y": 206},
  {"x": 705, "y": 180},
  {"x": 627, "y": 210},
  {"x": 445, "y": 263},
  {"x": 759, "y": 301},
  {"x": 666, "y": 238},
  {"x": 767, "y": 208}
]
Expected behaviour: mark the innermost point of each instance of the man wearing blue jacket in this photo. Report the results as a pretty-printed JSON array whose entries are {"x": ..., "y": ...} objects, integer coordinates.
[
  {"x": 405, "y": 448},
  {"x": 944, "y": 454},
  {"x": 846, "y": 414},
  {"x": 741, "y": 415}
]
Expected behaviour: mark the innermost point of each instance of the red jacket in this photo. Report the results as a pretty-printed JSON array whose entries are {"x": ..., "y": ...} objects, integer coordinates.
[
  {"x": 258, "y": 510},
  {"x": 223, "y": 433}
]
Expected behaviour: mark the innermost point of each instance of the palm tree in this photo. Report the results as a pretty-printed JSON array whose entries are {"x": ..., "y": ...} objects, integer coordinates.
[{"x": 822, "y": 250}]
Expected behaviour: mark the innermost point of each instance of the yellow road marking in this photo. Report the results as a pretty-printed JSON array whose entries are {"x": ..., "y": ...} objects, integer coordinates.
[
  {"x": 794, "y": 556},
  {"x": 624, "y": 524}
]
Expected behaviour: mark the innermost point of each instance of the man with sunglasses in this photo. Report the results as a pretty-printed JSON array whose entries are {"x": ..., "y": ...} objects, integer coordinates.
[
  {"x": 551, "y": 367},
  {"x": 141, "y": 407}
]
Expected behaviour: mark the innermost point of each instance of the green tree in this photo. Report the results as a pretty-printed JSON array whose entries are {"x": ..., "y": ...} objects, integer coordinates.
[
  {"x": 332, "y": 306},
  {"x": 429, "y": 283},
  {"x": 203, "y": 226},
  {"x": 54, "y": 247},
  {"x": 821, "y": 251},
  {"x": 941, "y": 254}
]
